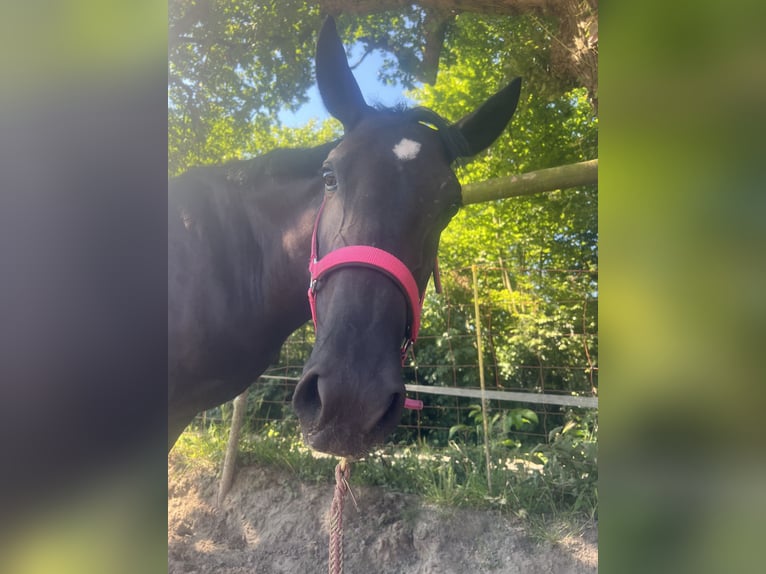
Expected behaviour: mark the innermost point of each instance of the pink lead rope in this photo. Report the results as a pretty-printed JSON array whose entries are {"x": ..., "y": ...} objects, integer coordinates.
[{"x": 373, "y": 258}]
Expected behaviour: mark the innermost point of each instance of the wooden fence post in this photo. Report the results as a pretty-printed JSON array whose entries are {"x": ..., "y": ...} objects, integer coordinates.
[
  {"x": 480, "y": 349},
  {"x": 229, "y": 461}
]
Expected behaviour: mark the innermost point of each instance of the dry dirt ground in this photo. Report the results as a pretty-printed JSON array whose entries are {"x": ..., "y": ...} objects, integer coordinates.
[{"x": 271, "y": 522}]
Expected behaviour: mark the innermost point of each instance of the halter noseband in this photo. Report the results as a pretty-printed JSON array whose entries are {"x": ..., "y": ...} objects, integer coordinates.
[{"x": 372, "y": 258}]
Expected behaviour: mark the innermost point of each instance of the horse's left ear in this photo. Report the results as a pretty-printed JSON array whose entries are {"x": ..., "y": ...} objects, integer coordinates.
[
  {"x": 340, "y": 92},
  {"x": 487, "y": 122}
]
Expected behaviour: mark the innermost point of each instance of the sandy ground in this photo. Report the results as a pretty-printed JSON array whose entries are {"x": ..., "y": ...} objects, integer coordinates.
[{"x": 271, "y": 522}]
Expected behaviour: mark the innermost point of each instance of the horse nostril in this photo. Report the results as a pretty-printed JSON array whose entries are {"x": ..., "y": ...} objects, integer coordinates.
[{"x": 306, "y": 400}]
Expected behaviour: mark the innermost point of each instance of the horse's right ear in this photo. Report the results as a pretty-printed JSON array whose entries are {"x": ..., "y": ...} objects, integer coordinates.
[
  {"x": 340, "y": 92},
  {"x": 487, "y": 122}
]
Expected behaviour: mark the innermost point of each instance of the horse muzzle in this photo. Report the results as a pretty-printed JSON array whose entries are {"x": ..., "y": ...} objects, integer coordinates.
[{"x": 347, "y": 416}]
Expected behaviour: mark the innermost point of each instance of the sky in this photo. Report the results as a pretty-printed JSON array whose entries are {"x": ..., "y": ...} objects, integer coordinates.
[{"x": 373, "y": 90}]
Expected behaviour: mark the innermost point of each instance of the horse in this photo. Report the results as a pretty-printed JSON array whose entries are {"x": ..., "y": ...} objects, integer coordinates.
[{"x": 356, "y": 220}]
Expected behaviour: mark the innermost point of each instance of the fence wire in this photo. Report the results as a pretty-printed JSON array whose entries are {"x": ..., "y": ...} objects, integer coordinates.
[{"x": 536, "y": 339}]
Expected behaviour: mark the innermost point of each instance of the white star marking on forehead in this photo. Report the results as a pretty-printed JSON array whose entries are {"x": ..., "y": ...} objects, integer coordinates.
[{"x": 406, "y": 149}]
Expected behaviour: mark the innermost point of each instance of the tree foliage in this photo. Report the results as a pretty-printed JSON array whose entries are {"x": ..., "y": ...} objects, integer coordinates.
[
  {"x": 538, "y": 255},
  {"x": 233, "y": 64}
]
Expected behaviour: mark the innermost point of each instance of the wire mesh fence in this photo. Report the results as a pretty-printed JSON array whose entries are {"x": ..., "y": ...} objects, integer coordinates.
[{"x": 539, "y": 334}]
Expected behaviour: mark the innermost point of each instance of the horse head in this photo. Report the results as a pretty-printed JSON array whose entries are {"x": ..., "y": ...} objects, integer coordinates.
[{"x": 389, "y": 191}]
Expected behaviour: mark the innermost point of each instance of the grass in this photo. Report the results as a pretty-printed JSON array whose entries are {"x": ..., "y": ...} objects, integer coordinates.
[
  {"x": 201, "y": 448},
  {"x": 551, "y": 488}
]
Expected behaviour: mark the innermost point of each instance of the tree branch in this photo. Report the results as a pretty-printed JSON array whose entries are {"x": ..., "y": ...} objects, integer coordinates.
[
  {"x": 180, "y": 27},
  {"x": 562, "y": 177},
  {"x": 356, "y": 64},
  {"x": 498, "y": 7},
  {"x": 434, "y": 29}
]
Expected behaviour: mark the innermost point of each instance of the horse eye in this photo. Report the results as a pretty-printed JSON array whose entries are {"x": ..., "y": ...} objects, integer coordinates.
[{"x": 330, "y": 181}]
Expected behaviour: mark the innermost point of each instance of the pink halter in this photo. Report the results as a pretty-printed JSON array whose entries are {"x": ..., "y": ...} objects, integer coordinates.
[{"x": 373, "y": 258}]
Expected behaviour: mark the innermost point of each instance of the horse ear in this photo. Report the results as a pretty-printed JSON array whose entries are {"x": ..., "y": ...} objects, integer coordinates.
[
  {"x": 340, "y": 92},
  {"x": 487, "y": 122}
]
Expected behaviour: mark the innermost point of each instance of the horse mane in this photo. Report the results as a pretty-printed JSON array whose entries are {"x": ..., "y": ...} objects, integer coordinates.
[{"x": 281, "y": 162}]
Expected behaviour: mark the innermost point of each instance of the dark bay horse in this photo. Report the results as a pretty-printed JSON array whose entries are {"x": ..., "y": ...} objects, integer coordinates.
[{"x": 368, "y": 210}]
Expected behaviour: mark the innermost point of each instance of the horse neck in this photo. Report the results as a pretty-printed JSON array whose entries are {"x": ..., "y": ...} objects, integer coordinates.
[
  {"x": 285, "y": 214},
  {"x": 286, "y": 253}
]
